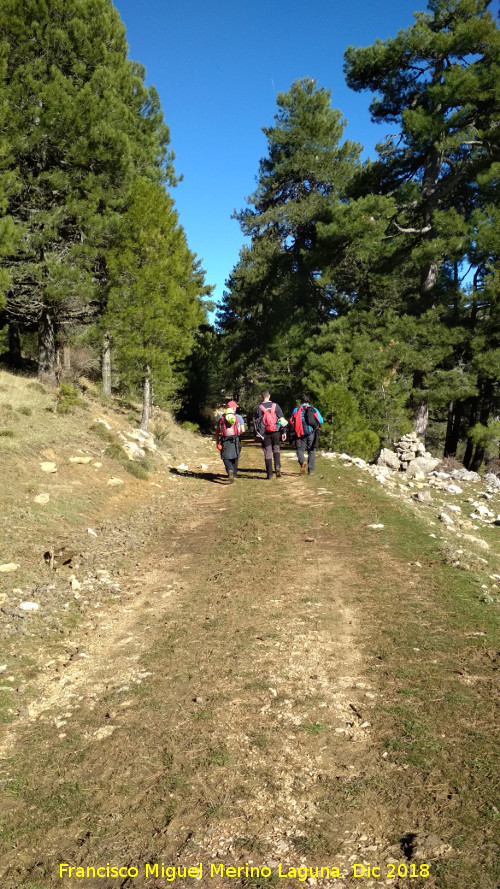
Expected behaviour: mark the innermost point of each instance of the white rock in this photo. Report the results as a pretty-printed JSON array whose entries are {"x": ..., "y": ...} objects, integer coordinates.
[
  {"x": 388, "y": 458},
  {"x": 381, "y": 478},
  {"x": 445, "y": 519},
  {"x": 182, "y": 467},
  {"x": 29, "y": 606},
  {"x": 133, "y": 450},
  {"x": 48, "y": 467},
  {"x": 8, "y": 567},
  {"x": 492, "y": 481},
  {"x": 421, "y": 466},
  {"x": 453, "y": 508},
  {"x": 484, "y": 511},
  {"x": 453, "y": 489},
  {"x": 90, "y": 531},
  {"x": 42, "y": 498},
  {"x": 80, "y": 459},
  {"x": 104, "y": 423},
  {"x": 113, "y": 482},
  {"x": 97, "y": 465},
  {"x": 203, "y": 467},
  {"x": 105, "y": 732},
  {"x": 144, "y": 438},
  {"x": 375, "y": 527},
  {"x": 464, "y": 475}
]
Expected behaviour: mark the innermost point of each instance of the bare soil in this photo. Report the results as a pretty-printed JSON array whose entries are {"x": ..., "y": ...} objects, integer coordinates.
[{"x": 228, "y": 700}]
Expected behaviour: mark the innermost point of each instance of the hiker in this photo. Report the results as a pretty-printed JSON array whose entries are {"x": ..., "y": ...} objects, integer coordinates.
[
  {"x": 306, "y": 422},
  {"x": 269, "y": 427},
  {"x": 227, "y": 435}
]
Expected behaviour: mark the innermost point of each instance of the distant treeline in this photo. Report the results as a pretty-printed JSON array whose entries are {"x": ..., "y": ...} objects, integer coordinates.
[{"x": 375, "y": 285}]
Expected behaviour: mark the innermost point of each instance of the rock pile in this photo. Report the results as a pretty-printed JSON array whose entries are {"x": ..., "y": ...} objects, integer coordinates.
[
  {"x": 408, "y": 448},
  {"x": 409, "y": 456}
]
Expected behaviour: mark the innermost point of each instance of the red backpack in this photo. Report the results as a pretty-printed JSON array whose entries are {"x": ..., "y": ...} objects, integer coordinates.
[{"x": 269, "y": 418}]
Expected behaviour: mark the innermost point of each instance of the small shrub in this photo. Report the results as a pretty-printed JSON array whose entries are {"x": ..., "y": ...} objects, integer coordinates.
[
  {"x": 137, "y": 469},
  {"x": 24, "y": 409},
  {"x": 67, "y": 398},
  {"x": 160, "y": 432},
  {"x": 7, "y": 433},
  {"x": 364, "y": 444},
  {"x": 102, "y": 432},
  {"x": 140, "y": 468},
  {"x": 190, "y": 427},
  {"x": 115, "y": 451}
]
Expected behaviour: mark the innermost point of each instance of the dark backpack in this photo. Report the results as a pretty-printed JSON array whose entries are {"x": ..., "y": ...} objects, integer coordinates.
[
  {"x": 311, "y": 419},
  {"x": 269, "y": 418}
]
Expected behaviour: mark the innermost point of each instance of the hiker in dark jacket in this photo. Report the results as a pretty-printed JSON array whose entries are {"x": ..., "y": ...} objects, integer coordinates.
[
  {"x": 268, "y": 425},
  {"x": 227, "y": 435},
  {"x": 305, "y": 422}
]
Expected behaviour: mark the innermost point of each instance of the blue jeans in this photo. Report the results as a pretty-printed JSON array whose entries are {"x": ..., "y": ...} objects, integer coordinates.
[{"x": 306, "y": 443}]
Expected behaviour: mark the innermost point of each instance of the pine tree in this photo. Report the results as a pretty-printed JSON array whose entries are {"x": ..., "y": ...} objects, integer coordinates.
[
  {"x": 80, "y": 125},
  {"x": 7, "y": 182},
  {"x": 154, "y": 305},
  {"x": 276, "y": 288},
  {"x": 438, "y": 81}
]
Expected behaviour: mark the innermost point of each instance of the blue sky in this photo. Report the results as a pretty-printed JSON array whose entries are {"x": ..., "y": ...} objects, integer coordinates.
[{"x": 218, "y": 66}]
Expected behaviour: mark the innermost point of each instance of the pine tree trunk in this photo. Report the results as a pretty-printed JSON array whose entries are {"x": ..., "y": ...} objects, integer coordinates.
[
  {"x": 453, "y": 429},
  {"x": 478, "y": 458},
  {"x": 15, "y": 358},
  {"x": 66, "y": 356},
  {"x": 46, "y": 347},
  {"x": 106, "y": 365},
  {"x": 146, "y": 398},
  {"x": 472, "y": 420},
  {"x": 428, "y": 275},
  {"x": 421, "y": 419},
  {"x": 58, "y": 365},
  {"x": 469, "y": 450},
  {"x": 420, "y": 408},
  {"x": 484, "y": 416}
]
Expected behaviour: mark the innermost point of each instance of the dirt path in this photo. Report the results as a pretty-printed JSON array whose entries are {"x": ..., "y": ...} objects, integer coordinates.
[{"x": 220, "y": 714}]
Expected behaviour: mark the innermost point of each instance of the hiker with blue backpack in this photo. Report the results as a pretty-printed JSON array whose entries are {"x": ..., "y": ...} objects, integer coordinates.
[
  {"x": 227, "y": 435},
  {"x": 269, "y": 427},
  {"x": 305, "y": 424}
]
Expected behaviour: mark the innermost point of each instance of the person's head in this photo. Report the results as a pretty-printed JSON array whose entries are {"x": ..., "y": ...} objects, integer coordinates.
[
  {"x": 265, "y": 395},
  {"x": 305, "y": 398},
  {"x": 230, "y": 402}
]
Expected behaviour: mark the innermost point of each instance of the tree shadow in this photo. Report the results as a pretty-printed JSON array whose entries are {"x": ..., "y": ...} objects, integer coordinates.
[
  {"x": 220, "y": 478},
  {"x": 214, "y": 478}
]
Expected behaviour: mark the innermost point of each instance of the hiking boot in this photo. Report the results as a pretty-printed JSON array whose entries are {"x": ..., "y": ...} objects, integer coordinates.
[
  {"x": 303, "y": 468},
  {"x": 278, "y": 473},
  {"x": 230, "y": 477},
  {"x": 269, "y": 468}
]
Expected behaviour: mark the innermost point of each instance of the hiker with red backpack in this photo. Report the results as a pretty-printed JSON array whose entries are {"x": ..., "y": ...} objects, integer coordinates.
[
  {"x": 269, "y": 424},
  {"x": 305, "y": 424},
  {"x": 227, "y": 435}
]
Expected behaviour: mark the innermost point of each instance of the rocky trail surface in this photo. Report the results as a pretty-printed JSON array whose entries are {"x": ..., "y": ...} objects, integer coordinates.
[{"x": 228, "y": 700}]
